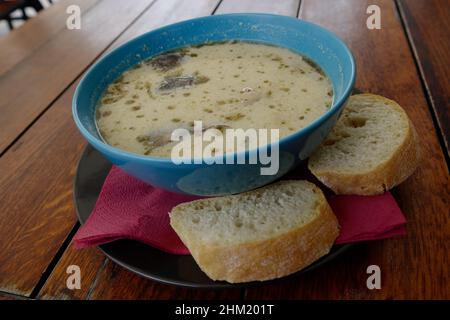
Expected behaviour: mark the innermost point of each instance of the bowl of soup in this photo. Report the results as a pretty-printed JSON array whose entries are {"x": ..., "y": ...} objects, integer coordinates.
[{"x": 216, "y": 105}]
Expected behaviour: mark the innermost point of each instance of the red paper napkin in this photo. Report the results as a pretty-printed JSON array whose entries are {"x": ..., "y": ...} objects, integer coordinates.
[{"x": 128, "y": 208}]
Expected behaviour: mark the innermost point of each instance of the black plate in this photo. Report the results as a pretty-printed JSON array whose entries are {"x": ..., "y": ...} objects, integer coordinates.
[{"x": 140, "y": 258}]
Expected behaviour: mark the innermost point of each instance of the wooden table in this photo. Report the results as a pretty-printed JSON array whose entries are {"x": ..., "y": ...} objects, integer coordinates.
[{"x": 40, "y": 65}]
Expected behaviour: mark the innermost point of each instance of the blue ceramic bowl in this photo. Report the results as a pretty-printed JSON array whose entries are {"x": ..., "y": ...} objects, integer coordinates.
[{"x": 303, "y": 37}]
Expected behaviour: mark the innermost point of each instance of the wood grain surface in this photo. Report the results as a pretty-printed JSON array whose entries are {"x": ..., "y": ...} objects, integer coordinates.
[
  {"x": 415, "y": 266},
  {"x": 36, "y": 210},
  {"x": 24, "y": 41},
  {"x": 285, "y": 7},
  {"x": 37, "y": 218},
  {"x": 166, "y": 12},
  {"x": 103, "y": 279},
  {"x": 428, "y": 26},
  {"x": 6, "y": 296},
  {"x": 53, "y": 66}
]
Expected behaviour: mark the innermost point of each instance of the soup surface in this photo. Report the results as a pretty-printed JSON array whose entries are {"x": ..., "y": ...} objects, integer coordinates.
[{"x": 225, "y": 85}]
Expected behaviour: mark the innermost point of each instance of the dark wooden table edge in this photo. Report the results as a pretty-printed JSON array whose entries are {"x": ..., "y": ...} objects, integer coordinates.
[{"x": 12, "y": 296}]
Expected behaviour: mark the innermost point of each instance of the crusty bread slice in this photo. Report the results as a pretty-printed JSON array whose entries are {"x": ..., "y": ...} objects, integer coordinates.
[
  {"x": 258, "y": 235},
  {"x": 372, "y": 148}
]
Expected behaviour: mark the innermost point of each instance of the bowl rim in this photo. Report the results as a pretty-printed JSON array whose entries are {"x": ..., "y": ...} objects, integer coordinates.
[{"x": 100, "y": 144}]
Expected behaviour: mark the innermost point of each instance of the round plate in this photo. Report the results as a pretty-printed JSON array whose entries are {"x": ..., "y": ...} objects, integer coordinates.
[{"x": 143, "y": 259}]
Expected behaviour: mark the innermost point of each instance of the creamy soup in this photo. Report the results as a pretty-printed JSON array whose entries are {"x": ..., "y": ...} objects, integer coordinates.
[{"x": 225, "y": 85}]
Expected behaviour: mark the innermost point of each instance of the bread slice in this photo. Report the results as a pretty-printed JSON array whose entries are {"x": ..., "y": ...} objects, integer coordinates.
[
  {"x": 372, "y": 148},
  {"x": 258, "y": 235}
]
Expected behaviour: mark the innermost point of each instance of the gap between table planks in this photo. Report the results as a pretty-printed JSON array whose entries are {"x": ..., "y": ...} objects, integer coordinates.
[
  {"x": 127, "y": 282},
  {"x": 428, "y": 27}
]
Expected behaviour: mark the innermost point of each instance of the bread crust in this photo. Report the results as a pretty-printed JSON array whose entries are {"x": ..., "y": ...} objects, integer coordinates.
[
  {"x": 271, "y": 258},
  {"x": 386, "y": 175}
]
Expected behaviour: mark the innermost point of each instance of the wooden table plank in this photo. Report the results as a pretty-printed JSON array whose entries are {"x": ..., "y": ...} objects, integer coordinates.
[
  {"x": 415, "y": 266},
  {"x": 428, "y": 27},
  {"x": 36, "y": 210},
  {"x": 165, "y": 12},
  {"x": 91, "y": 261},
  {"x": 6, "y": 296},
  {"x": 23, "y": 41},
  {"x": 286, "y": 7},
  {"x": 42, "y": 219},
  {"x": 103, "y": 279},
  {"x": 55, "y": 65}
]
